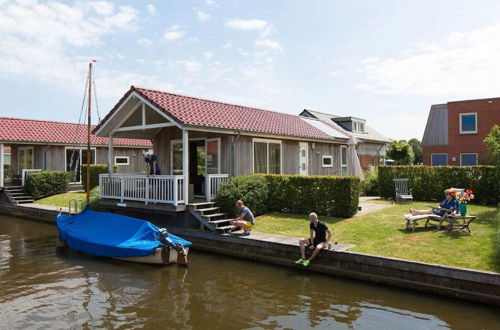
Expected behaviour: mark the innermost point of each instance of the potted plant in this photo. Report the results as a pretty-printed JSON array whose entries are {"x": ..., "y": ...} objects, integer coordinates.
[{"x": 463, "y": 198}]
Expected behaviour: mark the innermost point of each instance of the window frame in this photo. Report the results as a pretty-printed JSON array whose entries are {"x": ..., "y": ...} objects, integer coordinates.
[
  {"x": 469, "y": 153},
  {"x": 19, "y": 157},
  {"x": 172, "y": 142},
  {"x": 81, "y": 150},
  {"x": 439, "y": 153},
  {"x": 267, "y": 141},
  {"x": 342, "y": 165},
  {"x": 323, "y": 161},
  {"x": 460, "y": 122},
  {"x": 122, "y": 164}
]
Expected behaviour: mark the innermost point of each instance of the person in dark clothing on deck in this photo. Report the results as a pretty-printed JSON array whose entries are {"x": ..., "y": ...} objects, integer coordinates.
[
  {"x": 152, "y": 161},
  {"x": 317, "y": 239}
]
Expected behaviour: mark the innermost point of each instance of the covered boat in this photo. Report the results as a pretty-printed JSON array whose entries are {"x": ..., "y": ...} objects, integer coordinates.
[{"x": 121, "y": 237}]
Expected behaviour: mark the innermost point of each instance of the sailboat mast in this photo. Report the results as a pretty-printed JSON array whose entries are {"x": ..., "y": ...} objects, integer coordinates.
[{"x": 89, "y": 112}]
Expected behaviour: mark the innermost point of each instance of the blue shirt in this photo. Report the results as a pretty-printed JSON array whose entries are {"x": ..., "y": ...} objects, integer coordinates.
[
  {"x": 452, "y": 205},
  {"x": 248, "y": 215},
  {"x": 153, "y": 159}
]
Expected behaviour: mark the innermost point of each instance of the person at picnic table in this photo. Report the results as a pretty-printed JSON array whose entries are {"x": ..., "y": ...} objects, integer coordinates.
[
  {"x": 449, "y": 203},
  {"x": 245, "y": 221},
  {"x": 317, "y": 239}
]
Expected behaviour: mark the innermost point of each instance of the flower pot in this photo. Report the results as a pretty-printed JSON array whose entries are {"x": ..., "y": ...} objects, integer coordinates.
[{"x": 462, "y": 207}]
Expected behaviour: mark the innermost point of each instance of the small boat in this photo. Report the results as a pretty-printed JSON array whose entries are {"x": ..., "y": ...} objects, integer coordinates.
[{"x": 121, "y": 237}]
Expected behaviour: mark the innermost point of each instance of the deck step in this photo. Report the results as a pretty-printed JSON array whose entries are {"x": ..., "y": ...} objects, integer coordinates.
[
  {"x": 24, "y": 201},
  {"x": 196, "y": 205},
  {"x": 208, "y": 209},
  {"x": 219, "y": 221},
  {"x": 213, "y": 215},
  {"x": 224, "y": 228}
]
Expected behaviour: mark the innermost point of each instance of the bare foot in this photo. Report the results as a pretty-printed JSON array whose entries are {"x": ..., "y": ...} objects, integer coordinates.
[{"x": 412, "y": 211}]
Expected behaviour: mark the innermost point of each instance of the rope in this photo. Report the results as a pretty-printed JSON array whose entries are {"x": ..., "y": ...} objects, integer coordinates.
[{"x": 95, "y": 100}]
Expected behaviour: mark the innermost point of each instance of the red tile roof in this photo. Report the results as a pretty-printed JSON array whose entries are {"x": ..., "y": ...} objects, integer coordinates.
[
  {"x": 28, "y": 130},
  {"x": 188, "y": 110}
]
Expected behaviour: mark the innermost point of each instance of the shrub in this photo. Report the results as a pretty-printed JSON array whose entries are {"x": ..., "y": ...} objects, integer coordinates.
[
  {"x": 325, "y": 195},
  {"x": 369, "y": 186},
  {"x": 251, "y": 189},
  {"x": 429, "y": 182},
  {"x": 47, "y": 183},
  {"x": 95, "y": 170}
]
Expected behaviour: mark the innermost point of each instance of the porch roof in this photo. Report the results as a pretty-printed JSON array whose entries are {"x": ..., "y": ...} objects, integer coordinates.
[
  {"x": 16, "y": 130},
  {"x": 188, "y": 112}
]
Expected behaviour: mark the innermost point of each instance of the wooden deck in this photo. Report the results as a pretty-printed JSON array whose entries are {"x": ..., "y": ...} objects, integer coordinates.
[{"x": 286, "y": 240}]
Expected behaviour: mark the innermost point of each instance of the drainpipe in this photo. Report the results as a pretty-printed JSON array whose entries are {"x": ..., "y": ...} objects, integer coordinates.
[{"x": 234, "y": 162}]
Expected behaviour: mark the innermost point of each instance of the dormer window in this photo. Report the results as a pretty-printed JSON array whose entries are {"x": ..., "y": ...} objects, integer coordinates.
[
  {"x": 361, "y": 127},
  {"x": 358, "y": 127},
  {"x": 355, "y": 127}
]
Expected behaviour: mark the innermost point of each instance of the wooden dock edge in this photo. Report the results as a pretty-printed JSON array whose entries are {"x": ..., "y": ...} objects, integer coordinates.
[{"x": 467, "y": 284}]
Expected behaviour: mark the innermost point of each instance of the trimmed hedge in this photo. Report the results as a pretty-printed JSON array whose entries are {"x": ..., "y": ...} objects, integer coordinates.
[
  {"x": 325, "y": 195},
  {"x": 47, "y": 183},
  {"x": 429, "y": 182},
  {"x": 95, "y": 170}
]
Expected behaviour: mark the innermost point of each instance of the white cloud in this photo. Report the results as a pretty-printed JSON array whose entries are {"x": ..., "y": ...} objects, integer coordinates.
[
  {"x": 189, "y": 65},
  {"x": 173, "y": 33},
  {"x": 102, "y": 7},
  {"x": 247, "y": 25},
  {"x": 151, "y": 9},
  {"x": 272, "y": 44},
  {"x": 145, "y": 42},
  {"x": 227, "y": 46},
  {"x": 210, "y": 2},
  {"x": 463, "y": 65},
  {"x": 208, "y": 55},
  {"x": 202, "y": 16}
]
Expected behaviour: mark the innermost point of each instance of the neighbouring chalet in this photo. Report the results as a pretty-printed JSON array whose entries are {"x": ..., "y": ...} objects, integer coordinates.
[
  {"x": 372, "y": 146},
  {"x": 200, "y": 143},
  {"x": 455, "y": 132},
  {"x": 36, "y": 145}
]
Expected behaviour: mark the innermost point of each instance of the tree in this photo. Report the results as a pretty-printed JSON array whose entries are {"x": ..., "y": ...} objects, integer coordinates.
[
  {"x": 417, "y": 151},
  {"x": 492, "y": 142},
  {"x": 401, "y": 152}
]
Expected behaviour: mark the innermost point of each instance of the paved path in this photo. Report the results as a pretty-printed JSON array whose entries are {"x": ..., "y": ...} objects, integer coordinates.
[
  {"x": 368, "y": 206},
  {"x": 45, "y": 207}
]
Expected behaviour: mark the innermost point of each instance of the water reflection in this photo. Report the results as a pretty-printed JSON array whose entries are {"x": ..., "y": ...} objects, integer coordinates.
[{"x": 44, "y": 288}]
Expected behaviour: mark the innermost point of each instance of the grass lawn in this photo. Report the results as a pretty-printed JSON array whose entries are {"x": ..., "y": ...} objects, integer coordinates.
[
  {"x": 62, "y": 200},
  {"x": 383, "y": 233}
]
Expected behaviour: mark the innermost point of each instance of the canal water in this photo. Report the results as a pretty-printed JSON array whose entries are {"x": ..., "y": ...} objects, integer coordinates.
[{"x": 43, "y": 288}]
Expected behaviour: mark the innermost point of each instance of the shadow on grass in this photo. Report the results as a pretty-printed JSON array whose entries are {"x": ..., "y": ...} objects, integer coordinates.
[{"x": 417, "y": 230}]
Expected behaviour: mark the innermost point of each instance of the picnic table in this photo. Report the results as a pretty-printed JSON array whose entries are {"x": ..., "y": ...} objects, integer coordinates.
[{"x": 455, "y": 221}]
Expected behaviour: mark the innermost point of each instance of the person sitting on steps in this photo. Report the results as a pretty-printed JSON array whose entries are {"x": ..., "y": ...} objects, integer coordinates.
[
  {"x": 317, "y": 239},
  {"x": 245, "y": 221}
]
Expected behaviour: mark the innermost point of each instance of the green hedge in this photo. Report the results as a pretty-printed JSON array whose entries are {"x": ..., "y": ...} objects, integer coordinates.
[
  {"x": 325, "y": 195},
  {"x": 95, "y": 170},
  {"x": 47, "y": 183},
  {"x": 429, "y": 182}
]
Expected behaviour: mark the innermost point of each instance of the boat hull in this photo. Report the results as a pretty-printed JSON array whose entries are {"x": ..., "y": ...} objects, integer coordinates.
[{"x": 161, "y": 256}]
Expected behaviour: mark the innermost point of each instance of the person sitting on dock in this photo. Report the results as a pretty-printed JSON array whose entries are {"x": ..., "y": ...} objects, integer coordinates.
[
  {"x": 245, "y": 221},
  {"x": 152, "y": 160},
  {"x": 317, "y": 239}
]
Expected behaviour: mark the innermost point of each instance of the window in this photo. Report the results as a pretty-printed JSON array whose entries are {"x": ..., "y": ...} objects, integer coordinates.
[
  {"x": 121, "y": 160},
  {"x": 25, "y": 158},
  {"x": 439, "y": 159},
  {"x": 327, "y": 161},
  {"x": 469, "y": 159},
  {"x": 343, "y": 160},
  {"x": 355, "y": 126},
  {"x": 75, "y": 157},
  {"x": 361, "y": 128},
  {"x": 176, "y": 157},
  {"x": 266, "y": 156},
  {"x": 468, "y": 123}
]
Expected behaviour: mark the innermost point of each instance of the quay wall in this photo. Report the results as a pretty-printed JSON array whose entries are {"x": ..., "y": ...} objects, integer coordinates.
[{"x": 467, "y": 284}]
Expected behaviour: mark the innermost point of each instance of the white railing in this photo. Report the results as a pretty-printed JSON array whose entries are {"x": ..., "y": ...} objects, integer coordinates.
[
  {"x": 213, "y": 183},
  {"x": 27, "y": 171},
  {"x": 168, "y": 189}
]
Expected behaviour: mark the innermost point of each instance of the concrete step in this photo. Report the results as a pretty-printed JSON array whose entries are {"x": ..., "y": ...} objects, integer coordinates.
[
  {"x": 208, "y": 209},
  {"x": 14, "y": 190},
  {"x": 17, "y": 193},
  {"x": 223, "y": 228},
  {"x": 219, "y": 221},
  {"x": 24, "y": 201},
  {"x": 196, "y": 205},
  {"x": 214, "y": 215}
]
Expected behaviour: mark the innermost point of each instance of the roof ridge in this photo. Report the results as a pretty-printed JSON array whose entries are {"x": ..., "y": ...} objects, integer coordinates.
[
  {"x": 213, "y": 101},
  {"x": 45, "y": 121}
]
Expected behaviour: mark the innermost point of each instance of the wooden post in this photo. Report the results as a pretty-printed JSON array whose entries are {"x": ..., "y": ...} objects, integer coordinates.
[
  {"x": 110, "y": 156},
  {"x": 185, "y": 164},
  {"x": 1, "y": 165}
]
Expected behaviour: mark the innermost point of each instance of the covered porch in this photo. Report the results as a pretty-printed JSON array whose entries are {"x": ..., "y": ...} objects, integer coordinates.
[{"x": 190, "y": 160}]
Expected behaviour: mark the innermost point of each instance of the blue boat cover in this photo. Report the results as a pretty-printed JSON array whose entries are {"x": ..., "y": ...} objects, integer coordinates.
[{"x": 110, "y": 235}]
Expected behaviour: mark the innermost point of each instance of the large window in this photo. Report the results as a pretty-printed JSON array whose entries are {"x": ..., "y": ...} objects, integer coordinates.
[
  {"x": 176, "y": 157},
  {"x": 439, "y": 159},
  {"x": 266, "y": 156},
  {"x": 468, "y": 123},
  {"x": 343, "y": 160},
  {"x": 75, "y": 157},
  {"x": 25, "y": 158},
  {"x": 468, "y": 159}
]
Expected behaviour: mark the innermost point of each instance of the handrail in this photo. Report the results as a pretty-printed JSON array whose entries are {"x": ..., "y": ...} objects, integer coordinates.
[
  {"x": 213, "y": 183},
  {"x": 25, "y": 172}
]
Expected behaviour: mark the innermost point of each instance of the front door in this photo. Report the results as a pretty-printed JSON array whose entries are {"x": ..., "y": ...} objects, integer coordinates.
[
  {"x": 197, "y": 167},
  {"x": 303, "y": 158}
]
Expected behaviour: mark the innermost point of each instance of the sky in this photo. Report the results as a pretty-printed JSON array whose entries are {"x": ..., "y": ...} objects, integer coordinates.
[{"x": 384, "y": 61}]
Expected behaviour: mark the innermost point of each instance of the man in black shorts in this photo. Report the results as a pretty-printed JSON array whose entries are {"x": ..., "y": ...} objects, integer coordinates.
[{"x": 317, "y": 239}]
